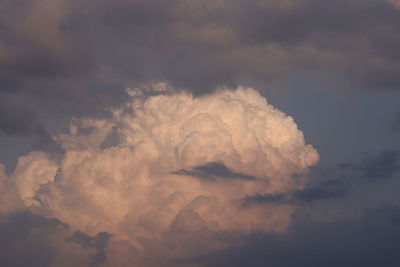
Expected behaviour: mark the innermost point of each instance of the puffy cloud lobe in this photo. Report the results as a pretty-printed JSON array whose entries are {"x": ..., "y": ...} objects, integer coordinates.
[
  {"x": 134, "y": 190},
  {"x": 31, "y": 172}
]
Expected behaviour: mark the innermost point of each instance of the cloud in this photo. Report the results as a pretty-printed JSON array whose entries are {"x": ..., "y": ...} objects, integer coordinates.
[
  {"x": 99, "y": 242},
  {"x": 236, "y": 42},
  {"x": 130, "y": 188},
  {"x": 10, "y": 201},
  {"x": 17, "y": 121},
  {"x": 385, "y": 165},
  {"x": 71, "y": 58},
  {"x": 332, "y": 188},
  {"x": 26, "y": 240},
  {"x": 31, "y": 172},
  {"x": 39, "y": 42},
  {"x": 131, "y": 173},
  {"x": 327, "y": 189},
  {"x": 371, "y": 240},
  {"x": 212, "y": 171},
  {"x": 31, "y": 239}
]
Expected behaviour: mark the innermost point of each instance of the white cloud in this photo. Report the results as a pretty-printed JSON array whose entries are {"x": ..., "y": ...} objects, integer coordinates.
[
  {"x": 131, "y": 189},
  {"x": 32, "y": 171}
]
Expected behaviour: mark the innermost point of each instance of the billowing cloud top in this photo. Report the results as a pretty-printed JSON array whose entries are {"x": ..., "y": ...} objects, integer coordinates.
[{"x": 171, "y": 161}]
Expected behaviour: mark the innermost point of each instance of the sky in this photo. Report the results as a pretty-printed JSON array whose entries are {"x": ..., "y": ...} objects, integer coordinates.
[{"x": 199, "y": 133}]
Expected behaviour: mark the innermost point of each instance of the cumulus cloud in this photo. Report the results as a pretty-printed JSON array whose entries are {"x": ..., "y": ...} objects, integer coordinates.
[
  {"x": 167, "y": 169},
  {"x": 31, "y": 172},
  {"x": 141, "y": 189}
]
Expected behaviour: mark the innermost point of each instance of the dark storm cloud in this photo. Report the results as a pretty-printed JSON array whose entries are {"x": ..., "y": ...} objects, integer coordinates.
[
  {"x": 325, "y": 190},
  {"x": 25, "y": 240},
  {"x": 385, "y": 165},
  {"x": 372, "y": 240},
  {"x": 74, "y": 57},
  {"x": 98, "y": 242},
  {"x": 214, "y": 170}
]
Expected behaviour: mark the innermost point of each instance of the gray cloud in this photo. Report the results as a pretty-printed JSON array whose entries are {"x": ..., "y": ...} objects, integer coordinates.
[
  {"x": 98, "y": 242},
  {"x": 214, "y": 170},
  {"x": 29, "y": 239},
  {"x": 371, "y": 240},
  {"x": 385, "y": 165},
  {"x": 332, "y": 188},
  {"x": 73, "y": 57},
  {"x": 17, "y": 117},
  {"x": 25, "y": 240},
  {"x": 336, "y": 182},
  {"x": 199, "y": 44}
]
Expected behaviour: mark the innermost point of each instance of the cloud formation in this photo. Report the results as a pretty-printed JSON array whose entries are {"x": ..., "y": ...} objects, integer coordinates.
[
  {"x": 99, "y": 242},
  {"x": 28, "y": 235},
  {"x": 165, "y": 175},
  {"x": 74, "y": 57},
  {"x": 383, "y": 166},
  {"x": 212, "y": 171},
  {"x": 370, "y": 240},
  {"x": 135, "y": 188},
  {"x": 325, "y": 190}
]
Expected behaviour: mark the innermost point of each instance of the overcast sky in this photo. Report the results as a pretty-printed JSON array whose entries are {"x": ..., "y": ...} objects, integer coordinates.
[{"x": 199, "y": 133}]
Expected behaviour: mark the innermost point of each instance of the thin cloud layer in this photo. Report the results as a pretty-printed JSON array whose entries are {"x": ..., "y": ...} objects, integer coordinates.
[
  {"x": 385, "y": 165},
  {"x": 325, "y": 190}
]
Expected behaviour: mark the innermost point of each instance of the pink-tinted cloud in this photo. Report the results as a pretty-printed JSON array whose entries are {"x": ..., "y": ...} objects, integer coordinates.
[{"x": 136, "y": 190}]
